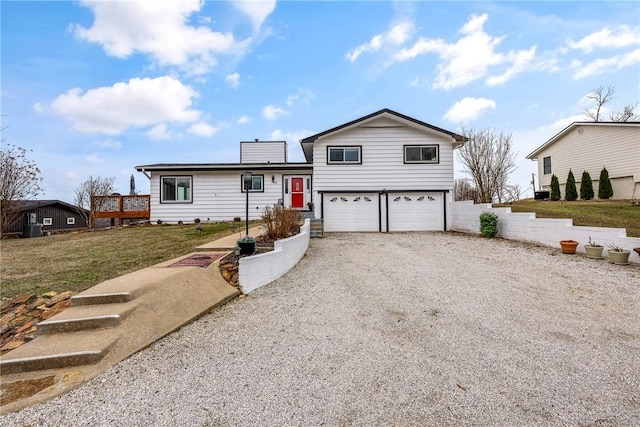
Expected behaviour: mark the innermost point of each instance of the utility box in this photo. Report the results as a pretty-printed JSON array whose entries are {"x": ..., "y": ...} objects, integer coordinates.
[{"x": 541, "y": 195}]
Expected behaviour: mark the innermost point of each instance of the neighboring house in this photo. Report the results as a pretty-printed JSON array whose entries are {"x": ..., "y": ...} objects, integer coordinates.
[
  {"x": 591, "y": 146},
  {"x": 53, "y": 215},
  {"x": 382, "y": 172}
]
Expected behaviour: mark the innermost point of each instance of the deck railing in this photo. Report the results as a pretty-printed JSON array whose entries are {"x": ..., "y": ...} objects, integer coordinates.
[{"x": 123, "y": 207}]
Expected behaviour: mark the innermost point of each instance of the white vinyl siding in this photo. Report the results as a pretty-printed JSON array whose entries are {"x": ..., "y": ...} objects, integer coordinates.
[
  {"x": 217, "y": 196},
  {"x": 616, "y": 147},
  {"x": 263, "y": 152}
]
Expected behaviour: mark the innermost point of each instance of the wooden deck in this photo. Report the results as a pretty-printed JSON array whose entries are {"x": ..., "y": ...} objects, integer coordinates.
[{"x": 122, "y": 207}]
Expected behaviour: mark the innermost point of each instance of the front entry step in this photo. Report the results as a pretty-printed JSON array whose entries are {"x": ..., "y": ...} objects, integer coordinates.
[{"x": 316, "y": 228}]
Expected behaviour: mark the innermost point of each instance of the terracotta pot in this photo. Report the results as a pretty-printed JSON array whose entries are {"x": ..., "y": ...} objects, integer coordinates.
[
  {"x": 594, "y": 252},
  {"x": 568, "y": 246}
]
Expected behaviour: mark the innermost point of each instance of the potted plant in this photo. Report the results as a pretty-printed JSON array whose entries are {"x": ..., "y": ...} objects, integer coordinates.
[
  {"x": 618, "y": 255},
  {"x": 594, "y": 249},
  {"x": 247, "y": 245},
  {"x": 568, "y": 246}
]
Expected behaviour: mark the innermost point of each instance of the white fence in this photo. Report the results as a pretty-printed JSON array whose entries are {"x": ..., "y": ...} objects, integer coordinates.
[
  {"x": 465, "y": 216},
  {"x": 259, "y": 270}
]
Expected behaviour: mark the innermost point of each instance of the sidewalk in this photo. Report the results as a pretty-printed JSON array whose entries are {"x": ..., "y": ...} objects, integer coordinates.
[{"x": 112, "y": 320}]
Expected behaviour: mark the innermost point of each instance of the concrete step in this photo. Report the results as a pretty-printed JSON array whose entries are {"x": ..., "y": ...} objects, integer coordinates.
[
  {"x": 107, "y": 298},
  {"x": 86, "y": 317}
]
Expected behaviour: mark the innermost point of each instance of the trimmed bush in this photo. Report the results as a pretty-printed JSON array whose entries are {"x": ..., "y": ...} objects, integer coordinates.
[
  {"x": 281, "y": 223},
  {"x": 555, "y": 188},
  {"x": 586, "y": 186},
  {"x": 605, "y": 191},
  {"x": 571, "y": 193},
  {"x": 488, "y": 224}
]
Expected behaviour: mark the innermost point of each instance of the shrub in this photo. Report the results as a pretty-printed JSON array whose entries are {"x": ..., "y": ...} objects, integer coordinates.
[
  {"x": 605, "y": 191},
  {"x": 586, "y": 186},
  {"x": 281, "y": 223},
  {"x": 555, "y": 188},
  {"x": 488, "y": 224},
  {"x": 570, "y": 191}
]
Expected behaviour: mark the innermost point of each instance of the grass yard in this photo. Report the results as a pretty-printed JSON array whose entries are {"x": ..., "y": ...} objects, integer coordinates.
[
  {"x": 78, "y": 261},
  {"x": 595, "y": 213}
]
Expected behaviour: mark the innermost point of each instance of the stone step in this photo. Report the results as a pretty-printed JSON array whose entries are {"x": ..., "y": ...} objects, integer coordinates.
[
  {"x": 109, "y": 298},
  {"x": 86, "y": 317}
]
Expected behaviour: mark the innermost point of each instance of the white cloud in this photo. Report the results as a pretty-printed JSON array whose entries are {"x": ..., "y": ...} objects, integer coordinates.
[
  {"x": 108, "y": 143},
  {"x": 563, "y": 122},
  {"x": 469, "y": 58},
  {"x": 233, "y": 80},
  {"x": 138, "y": 103},
  {"x": 160, "y": 133},
  {"x": 256, "y": 10},
  {"x": 604, "y": 65},
  {"x": 272, "y": 112},
  {"x": 303, "y": 96},
  {"x": 159, "y": 29},
  {"x": 469, "y": 109},
  {"x": 94, "y": 159},
  {"x": 243, "y": 120},
  {"x": 396, "y": 36},
  {"x": 623, "y": 36},
  {"x": 202, "y": 129}
]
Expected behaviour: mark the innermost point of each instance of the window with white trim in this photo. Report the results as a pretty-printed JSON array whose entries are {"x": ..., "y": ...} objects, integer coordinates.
[
  {"x": 175, "y": 189},
  {"x": 71, "y": 221},
  {"x": 421, "y": 154},
  {"x": 546, "y": 165},
  {"x": 343, "y": 155},
  {"x": 257, "y": 184},
  {"x": 47, "y": 221}
]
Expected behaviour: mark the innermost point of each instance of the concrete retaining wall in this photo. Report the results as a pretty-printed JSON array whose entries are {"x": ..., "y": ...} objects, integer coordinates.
[
  {"x": 465, "y": 217},
  {"x": 259, "y": 270}
]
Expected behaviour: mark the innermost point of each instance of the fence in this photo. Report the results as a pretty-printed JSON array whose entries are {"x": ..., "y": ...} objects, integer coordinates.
[{"x": 122, "y": 207}]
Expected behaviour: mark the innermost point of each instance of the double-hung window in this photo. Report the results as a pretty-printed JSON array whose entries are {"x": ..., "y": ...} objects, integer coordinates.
[
  {"x": 421, "y": 154},
  {"x": 546, "y": 165},
  {"x": 176, "y": 189},
  {"x": 344, "y": 155},
  {"x": 257, "y": 184}
]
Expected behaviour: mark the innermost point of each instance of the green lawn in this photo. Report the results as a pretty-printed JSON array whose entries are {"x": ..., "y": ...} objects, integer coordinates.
[
  {"x": 77, "y": 261},
  {"x": 596, "y": 213}
]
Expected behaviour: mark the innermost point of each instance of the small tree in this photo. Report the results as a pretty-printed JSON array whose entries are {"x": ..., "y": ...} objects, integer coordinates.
[
  {"x": 570, "y": 192},
  {"x": 85, "y": 196},
  {"x": 586, "y": 186},
  {"x": 19, "y": 180},
  {"x": 605, "y": 191},
  {"x": 555, "y": 188}
]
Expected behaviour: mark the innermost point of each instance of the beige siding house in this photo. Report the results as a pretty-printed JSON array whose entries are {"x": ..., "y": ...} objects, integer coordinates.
[{"x": 591, "y": 146}]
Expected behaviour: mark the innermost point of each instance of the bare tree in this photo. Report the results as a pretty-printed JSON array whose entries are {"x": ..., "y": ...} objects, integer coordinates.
[
  {"x": 601, "y": 96},
  {"x": 489, "y": 159},
  {"x": 464, "y": 190},
  {"x": 85, "y": 197},
  {"x": 19, "y": 180},
  {"x": 512, "y": 193}
]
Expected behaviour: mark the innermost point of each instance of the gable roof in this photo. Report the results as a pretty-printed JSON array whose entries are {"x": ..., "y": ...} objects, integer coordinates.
[
  {"x": 307, "y": 143},
  {"x": 24, "y": 205},
  {"x": 563, "y": 132}
]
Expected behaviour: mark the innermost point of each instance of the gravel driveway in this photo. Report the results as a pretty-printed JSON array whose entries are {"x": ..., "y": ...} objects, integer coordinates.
[{"x": 392, "y": 329}]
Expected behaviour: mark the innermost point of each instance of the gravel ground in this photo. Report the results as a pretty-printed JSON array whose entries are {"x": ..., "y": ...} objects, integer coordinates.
[{"x": 391, "y": 329}]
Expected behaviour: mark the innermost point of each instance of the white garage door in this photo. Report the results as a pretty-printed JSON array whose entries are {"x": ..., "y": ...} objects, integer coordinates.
[
  {"x": 351, "y": 212},
  {"x": 416, "y": 212}
]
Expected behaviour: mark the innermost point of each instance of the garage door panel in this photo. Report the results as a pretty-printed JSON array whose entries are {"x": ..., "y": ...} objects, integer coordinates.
[
  {"x": 351, "y": 212},
  {"x": 415, "y": 212}
]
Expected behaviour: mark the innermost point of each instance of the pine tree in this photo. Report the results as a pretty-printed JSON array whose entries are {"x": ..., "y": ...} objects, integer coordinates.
[
  {"x": 586, "y": 186},
  {"x": 555, "y": 188},
  {"x": 605, "y": 191},
  {"x": 571, "y": 193}
]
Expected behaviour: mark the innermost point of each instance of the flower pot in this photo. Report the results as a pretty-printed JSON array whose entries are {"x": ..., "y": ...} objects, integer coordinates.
[
  {"x": 568, "y": 246},
  {"x": 594, "y": 252},
  {"x": 619, "y": 257},
  {"x": 247, "y": 248}
]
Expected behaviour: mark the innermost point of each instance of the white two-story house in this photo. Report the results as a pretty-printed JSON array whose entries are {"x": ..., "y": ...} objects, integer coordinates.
[{"x": 381, "y": 172}]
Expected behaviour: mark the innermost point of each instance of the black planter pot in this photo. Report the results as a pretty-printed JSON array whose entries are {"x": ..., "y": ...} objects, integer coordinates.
[{"x": 247, "y": 248}]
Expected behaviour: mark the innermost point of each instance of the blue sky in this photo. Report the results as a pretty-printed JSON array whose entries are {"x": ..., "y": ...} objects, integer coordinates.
[{"x": 96, "y": 88}]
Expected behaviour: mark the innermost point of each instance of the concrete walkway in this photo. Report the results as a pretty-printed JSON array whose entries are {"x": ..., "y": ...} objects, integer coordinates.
[{"x": 110, "y": 321}]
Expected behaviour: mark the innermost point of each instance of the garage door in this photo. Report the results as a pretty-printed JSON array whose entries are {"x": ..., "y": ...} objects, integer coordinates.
[
  {"x": 351, "y": 212},
  {"x": 416, "y": 212}
]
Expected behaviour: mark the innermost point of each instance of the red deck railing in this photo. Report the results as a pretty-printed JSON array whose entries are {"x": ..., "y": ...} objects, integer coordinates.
[{"x": 129, "y": 207}]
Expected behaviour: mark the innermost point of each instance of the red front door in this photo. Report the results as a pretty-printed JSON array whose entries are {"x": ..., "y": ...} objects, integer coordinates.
[{"x": 297, "y": 192}]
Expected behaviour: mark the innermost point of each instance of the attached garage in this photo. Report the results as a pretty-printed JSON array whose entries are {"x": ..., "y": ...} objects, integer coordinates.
[
  {"x": 384, "y": 211},
  {"x": 351, "y": 211}
]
